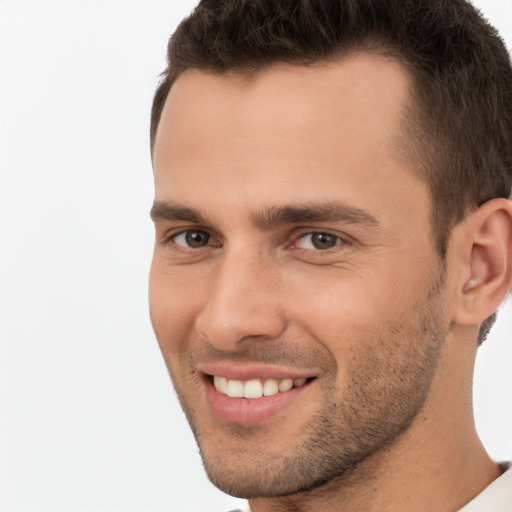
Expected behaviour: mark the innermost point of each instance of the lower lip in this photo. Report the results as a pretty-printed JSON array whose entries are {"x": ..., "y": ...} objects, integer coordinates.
[{"x": 249, "y": 411}]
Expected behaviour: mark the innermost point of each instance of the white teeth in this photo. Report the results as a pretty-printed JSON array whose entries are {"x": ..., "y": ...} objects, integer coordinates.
[
  {"x": 235, "y": 389},
  {"x": 271, "y": 387},
  {"x": 254, "y": 388},
  {"x": 285, "y": 385},
  {"x": 221, "y": 383}
]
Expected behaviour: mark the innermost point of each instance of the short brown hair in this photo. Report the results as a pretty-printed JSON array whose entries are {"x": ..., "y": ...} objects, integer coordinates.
[{"x": 461, "y": 118}]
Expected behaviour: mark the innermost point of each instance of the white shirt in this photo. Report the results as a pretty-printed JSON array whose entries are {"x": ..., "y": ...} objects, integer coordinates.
[{"x": 497, "y": 497}]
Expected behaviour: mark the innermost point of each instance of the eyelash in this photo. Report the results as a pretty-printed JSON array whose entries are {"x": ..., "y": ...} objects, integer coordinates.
[
  {"x": 335, "y": 238},
  {"x": 339, "y": 241},
  {"x": 171, "y": 239}
]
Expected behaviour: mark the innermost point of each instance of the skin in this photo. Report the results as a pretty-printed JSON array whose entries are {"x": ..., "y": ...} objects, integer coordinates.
[{"x": 382, "y": 323}]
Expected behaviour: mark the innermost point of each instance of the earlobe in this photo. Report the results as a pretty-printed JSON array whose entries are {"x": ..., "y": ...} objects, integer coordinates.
[{"x": 488, "y": 278}]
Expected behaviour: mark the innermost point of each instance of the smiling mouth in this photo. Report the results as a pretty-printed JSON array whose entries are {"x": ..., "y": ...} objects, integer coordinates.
[{"x": 256, "y": 388}]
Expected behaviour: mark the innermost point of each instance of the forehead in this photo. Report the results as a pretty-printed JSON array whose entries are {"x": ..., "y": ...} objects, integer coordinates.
[
  {"x": 329, "y": 95},
  {"x": 278, "y": 134}
]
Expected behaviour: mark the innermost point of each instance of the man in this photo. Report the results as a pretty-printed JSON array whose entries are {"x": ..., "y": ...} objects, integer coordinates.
[{"x": 333, "y": 238}]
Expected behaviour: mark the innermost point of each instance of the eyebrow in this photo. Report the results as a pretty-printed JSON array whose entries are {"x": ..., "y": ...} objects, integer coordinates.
[
  {"x": 274, "y": 216},
  {"x": 312, "y": 212},
  {"x": 164, "y": 210}
]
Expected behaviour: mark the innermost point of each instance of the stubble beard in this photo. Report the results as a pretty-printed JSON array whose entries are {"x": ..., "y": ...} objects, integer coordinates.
[{"x": 386, "y": 387}]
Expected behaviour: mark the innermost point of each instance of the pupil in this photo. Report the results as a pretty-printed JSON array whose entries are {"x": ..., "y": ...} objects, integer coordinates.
[
  {"x": 196, "y": 238},
  {"x": 323, "y": 240}
]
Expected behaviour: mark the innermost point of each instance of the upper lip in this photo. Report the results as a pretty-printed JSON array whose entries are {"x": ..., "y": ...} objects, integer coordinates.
[{"x": 248, "y": 372}]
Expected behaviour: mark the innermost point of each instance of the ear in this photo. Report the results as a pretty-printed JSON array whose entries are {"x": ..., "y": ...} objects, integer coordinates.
[{"x": 485, "y": 254}]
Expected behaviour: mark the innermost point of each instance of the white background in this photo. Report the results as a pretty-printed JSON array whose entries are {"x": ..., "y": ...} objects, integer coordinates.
[{"x": 88, "y": 417}]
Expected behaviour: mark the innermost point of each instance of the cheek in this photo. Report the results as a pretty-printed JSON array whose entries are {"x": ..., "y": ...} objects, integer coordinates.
[
  {"x": 349, "y": 312},
  {"x": 340, "y": 301},
  {"x": 169, "y": 308}
]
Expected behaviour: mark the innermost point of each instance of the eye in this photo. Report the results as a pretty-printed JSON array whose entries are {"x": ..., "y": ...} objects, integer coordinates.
[
  {"x": 318, "y": 241},
  {"x": 191, "y": 239}
]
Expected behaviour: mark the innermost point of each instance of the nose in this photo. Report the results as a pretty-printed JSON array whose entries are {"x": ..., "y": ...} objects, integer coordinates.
[{"x": 242, "y": 303}]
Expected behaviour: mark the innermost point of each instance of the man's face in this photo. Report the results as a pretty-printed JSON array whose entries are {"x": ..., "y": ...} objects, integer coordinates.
[{"x": 294, "y": 263}]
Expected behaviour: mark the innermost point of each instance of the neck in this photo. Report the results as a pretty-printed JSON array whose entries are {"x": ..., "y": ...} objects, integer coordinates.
[
  {"x": 397, "y": 478},
  {"x": 438, "y": 464}
]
